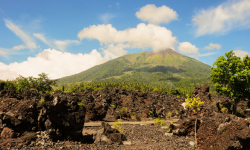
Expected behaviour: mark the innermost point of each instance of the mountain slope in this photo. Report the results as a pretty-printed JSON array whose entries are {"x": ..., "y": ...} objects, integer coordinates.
[{"x": 164, "y": 66}]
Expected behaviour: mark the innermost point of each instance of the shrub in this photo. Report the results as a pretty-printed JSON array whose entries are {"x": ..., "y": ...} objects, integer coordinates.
[
  {"x": 195, "y": 104},
  {"x": 122, "y": 110},
  {"x": 157, "y": 120},
  {"x": 82, "y": 103},
  {"x": 169, "y": 126},
  {"x": 118, "y": 125},
  {"x": 150, "y": 113},
  {"x": 42, "y": 101}
]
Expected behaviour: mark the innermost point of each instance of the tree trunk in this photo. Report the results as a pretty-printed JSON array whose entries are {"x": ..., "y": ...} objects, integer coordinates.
[{"x": 235, "y": 107}]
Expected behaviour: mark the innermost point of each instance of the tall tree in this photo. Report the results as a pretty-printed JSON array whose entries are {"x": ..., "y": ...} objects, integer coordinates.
[{"x": 231, "y": 77}]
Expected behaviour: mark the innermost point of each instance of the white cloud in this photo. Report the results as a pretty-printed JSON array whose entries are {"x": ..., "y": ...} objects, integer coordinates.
[
  {"x": 241, "y": 53},
  {"x": 225, "y": 17},
  {"x": 42, "y": 38},
  {"x": 156, "y": 15},
  {"x": 19, "y": 47},
  {"x": 114, "y": 51},
  {"x": 22, "y": 35},
  {"x": 106, "y": 17},
  {"x": 143, "y": 36},
  {"x": 62, "y": 44},
  {"x": 188, "y": 48},
  {"x": 213, "y": 46},
  {"x": 55, "y": 63},
  {"x": 32, "y": 45}
]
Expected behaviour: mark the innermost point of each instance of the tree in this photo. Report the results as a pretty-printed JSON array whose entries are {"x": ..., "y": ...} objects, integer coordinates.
[
  {"x": 44, "y": 83},
  {"x": 231, "y": 77}
]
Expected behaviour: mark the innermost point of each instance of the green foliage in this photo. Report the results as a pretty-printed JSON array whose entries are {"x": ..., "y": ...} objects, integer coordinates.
[
  {"x": 132, "y": 114},
  {"x": 133, "y": 86},
  {"x": 42, "y": 101},
  {"x": 118, "y": 125},
  {"x": 122, "y": 110},
  {"x": 150, "y": 113},
  {"x": 81, "y": 103},
  {"x": 231, "y": 77},
  {"x": 224, "y": 110},
  {"x": 169, "y": 72},
  {"x": 193, "y": 103},
  {"x": 112, "y": 107},
  {"x": 168, "y": 126},
  {"x": 168, "y": 130},
  {"x": 158, "y": 120},
  {"x": 39, "y": 84},
  {"x": 169, "y": 114}
]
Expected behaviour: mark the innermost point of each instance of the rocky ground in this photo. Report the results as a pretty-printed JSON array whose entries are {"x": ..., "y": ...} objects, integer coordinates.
[{"x": 28, "y": 122}]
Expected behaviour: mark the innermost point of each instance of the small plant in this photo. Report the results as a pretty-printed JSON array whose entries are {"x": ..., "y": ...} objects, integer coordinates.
[
  {"x": 150, "y": 113},
  {"x": 118, "y": 125},
  {"x": 82, "y": 103},
  {"x": 157, "y": 120},
  {"x": 42, "y": 100},
  {"x": 122, "y": 110},
  {"x": 195, "y": 104},
  {"x": 169, "y": 128},
  {"x": 132, "y": 115},
  {"x": 224, "y": 110},
  {"x": 176, "y": 112},
  {"x": 112, "y": 107},
  {"x": 169, "y": 114}
]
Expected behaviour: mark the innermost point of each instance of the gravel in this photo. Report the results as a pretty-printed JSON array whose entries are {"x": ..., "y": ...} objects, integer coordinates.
[{"x": 139, "y": 137}]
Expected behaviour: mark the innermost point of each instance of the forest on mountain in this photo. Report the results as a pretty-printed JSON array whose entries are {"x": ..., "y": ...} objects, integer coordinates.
[{"x": 167, "y": 69}]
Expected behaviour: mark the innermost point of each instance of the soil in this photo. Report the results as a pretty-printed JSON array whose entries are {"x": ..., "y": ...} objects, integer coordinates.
[{"x": 26, "y": 122}]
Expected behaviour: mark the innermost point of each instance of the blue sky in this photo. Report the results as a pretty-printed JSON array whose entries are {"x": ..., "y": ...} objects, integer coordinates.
[{"x": 62, "y": 38}]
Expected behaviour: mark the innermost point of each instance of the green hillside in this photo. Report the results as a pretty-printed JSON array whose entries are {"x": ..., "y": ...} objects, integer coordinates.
[{"x": 165, "y": 68}]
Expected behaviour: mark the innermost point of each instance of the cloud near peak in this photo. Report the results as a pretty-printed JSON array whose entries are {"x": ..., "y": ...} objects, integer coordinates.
[{"x": 143, "y": 36}]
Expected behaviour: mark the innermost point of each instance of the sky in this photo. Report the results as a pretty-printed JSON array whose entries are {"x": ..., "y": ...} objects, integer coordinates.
[{"x": 63, "y": 38}]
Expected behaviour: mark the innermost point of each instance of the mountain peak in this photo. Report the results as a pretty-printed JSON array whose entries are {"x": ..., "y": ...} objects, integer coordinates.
[{"x": 163, "y": 52}]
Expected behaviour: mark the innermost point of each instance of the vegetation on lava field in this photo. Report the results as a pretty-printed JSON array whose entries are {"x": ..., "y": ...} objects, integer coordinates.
[
  {"x": 195, "y": 104},
  {"x": 118, "y": 125},
  {"x": 43, "y": 84},
  {"x": 158, "y": 120}
]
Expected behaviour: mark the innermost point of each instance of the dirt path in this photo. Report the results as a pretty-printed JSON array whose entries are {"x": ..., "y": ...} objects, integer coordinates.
[{"x": 94, "y": 124}]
